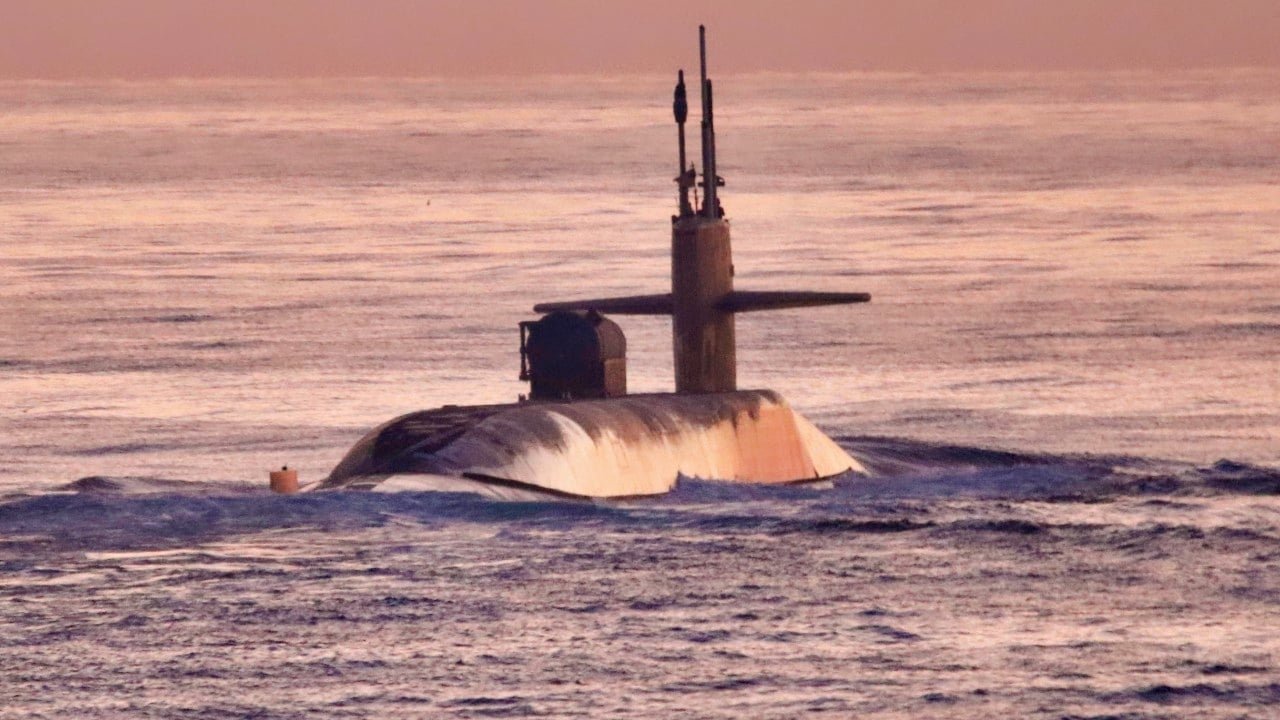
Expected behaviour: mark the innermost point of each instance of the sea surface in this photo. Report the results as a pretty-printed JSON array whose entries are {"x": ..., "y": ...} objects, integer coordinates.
[{"x": 1067, "y": 388}]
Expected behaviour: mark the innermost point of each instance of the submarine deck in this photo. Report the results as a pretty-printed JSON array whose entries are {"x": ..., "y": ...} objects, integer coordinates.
[{"x": 615, "y": 447}]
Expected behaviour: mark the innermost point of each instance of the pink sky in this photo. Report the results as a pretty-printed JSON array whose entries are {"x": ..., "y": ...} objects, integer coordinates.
[{"x": 162, "y": 38}]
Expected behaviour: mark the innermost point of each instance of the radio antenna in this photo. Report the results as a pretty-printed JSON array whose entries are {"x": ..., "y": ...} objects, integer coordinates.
[
  {"x": 710, "y": 180},
  {"x": 687, "y": 177}
]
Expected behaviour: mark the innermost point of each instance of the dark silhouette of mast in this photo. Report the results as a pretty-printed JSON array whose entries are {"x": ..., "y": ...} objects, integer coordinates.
[
  {"x": 710, "y": 180},
  {"x": 687, "y": 176}
]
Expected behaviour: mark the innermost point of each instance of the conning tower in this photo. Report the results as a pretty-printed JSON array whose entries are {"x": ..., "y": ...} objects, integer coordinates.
[{"x": 702, "y": 302}]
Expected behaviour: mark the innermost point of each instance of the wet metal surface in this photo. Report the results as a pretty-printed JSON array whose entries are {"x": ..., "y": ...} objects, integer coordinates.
[{"x": 635, "y": 445}]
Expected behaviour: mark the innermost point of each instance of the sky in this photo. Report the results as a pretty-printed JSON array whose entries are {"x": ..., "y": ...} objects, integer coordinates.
[{"x": 59, "y": 39}]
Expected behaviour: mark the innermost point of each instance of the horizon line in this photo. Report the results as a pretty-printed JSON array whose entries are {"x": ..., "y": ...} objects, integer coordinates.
[{"x": 490, "y": 76}]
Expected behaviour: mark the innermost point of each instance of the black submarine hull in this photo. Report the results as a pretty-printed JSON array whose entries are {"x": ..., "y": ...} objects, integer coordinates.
[{"x": 629, "y": 446}]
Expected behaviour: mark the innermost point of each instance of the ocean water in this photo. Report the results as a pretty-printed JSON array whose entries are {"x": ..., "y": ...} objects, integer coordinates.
[{"x": 1066, "y": 385}]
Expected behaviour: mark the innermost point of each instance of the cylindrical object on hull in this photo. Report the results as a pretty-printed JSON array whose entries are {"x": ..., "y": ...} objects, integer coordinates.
[
  {"x": 701, "y": 276},
  {"x": 284, "y": 480}
]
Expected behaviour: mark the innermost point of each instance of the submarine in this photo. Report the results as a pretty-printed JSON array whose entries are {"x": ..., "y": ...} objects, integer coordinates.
[{"x": 578, "y": 433}]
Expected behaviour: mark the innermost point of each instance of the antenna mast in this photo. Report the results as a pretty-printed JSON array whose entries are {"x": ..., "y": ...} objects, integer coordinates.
[
  {"x": 687, "y": 176},
  {"x": 710, "y": 180}
]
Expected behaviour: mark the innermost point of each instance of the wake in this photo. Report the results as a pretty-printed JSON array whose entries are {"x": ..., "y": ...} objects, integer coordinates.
[{"x": 909, "y": 482}]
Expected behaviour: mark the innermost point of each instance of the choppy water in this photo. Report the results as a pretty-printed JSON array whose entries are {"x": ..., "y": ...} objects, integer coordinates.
[{"x": 204, "y": 280}]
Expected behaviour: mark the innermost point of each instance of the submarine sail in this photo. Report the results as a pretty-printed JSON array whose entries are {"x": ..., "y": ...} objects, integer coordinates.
[{"x": 703, "y": 301}]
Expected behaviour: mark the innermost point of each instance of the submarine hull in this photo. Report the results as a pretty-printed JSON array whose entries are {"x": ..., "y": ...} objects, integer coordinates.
[{"x": 608, "y": 448}]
